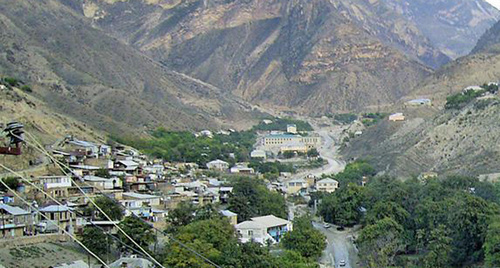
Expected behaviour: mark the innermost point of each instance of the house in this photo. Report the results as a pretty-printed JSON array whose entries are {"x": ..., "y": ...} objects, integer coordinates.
[
  {"x": 472, "y": 88},
  {"x": 206, "y": 133},
  {"x": 145, "y": 199},
  {"x": 419, "y": 102},
  {"x": 258, "y": 154},
  {"x": 396, "y": 117},
  {"x": 263, "y": 229},
  {"x": 90, "y": 149},
  {"x": 103, "y": 183},
  {"x": 128, "y": 166},
  {"x": 291, "y": 128},
  {"x": 233, "y": 217},
  {"x": 295, "y": 186},
  {"x": 327, "y": 185},
  {"x": 218, "y": 165},
  {"x": 267, "y": 121},
  {"x": 242, "y": 169},
  {"x": 131, "y": 262},
  {"x": 14, "y": 221},
  {"x": 60, "y": 214},
  {"x": 55, "y": 186}
]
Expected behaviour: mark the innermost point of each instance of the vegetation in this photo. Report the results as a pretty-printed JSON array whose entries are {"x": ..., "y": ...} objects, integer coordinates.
[
  {"x": 109, "y": 206},
  {"x": 95, "y": 239},
  {"x": 12, "y": 182},
  {"x": 370, "y": 119},
  {"x": 185, "y": 147},
  {"x": 11, "y": 81},
  {"x": 281, "y": 124},
  {"x": 139, "y": 231},
  {"x": 216, "y": 239},
  {"x": 460, "y": 100},
  {"x": 271, "y": 169},
  {"x": 445, "y": 222},
  {"x": 26, "y": 89},
  {"x": 251, "y": 198},
  {"x": 304, "y": 239},
  {"x": 345, "y": 118}
]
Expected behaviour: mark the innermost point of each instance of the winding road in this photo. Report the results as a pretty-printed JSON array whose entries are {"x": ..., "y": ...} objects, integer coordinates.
[{"x": 339, "y": 247}]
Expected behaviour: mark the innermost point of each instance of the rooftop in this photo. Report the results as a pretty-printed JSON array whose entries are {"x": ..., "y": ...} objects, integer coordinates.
[
  {"x": 13, "y": 210},
  {"x": 270, "y": 221},
  {"x": 55, "y": 208},
  {"x": 140, "y": 196}
]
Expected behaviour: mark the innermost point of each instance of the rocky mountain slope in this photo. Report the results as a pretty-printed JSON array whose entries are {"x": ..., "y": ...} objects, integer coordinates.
[
  {"x": 453, "y": 26},
  {"x": 451, "y": 142},
  {"x": 330, "y": 55},
  {"x": 83, "y": 72},
  {"x": 435, "y": 139}
]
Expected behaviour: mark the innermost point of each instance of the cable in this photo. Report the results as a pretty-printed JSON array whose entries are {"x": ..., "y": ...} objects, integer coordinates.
[
  {"x": 98, "y": 208},
  {"x": 56, "y": 224},
  {"x": 60, "y": 165},
  {"x": 59, "y": 203}
]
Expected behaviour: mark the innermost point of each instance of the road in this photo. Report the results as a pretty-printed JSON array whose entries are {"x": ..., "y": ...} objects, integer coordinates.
[
  {"x": 340, "y": 247},
  {"x": 328, "y": 151}
]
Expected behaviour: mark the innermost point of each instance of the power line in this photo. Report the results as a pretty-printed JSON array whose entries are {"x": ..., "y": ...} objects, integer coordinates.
[
  {"x": 61, "y": 165},
  {"x": 54, "y": 223},
  {"x": 59, "y": 203},
  {"x": 95, "y": 205}
]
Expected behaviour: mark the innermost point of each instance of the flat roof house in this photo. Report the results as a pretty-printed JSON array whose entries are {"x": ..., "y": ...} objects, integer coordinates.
[
  {"x": 327, "y": 185},
  {"x": 218, "y": 165}
]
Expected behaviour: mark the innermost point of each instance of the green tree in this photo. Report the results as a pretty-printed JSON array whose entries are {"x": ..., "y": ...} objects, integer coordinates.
[
  {"x": 380, "y": 242},
  {"x": 103, "y": 173},
  {"x": 141, "y": 232},
  {"x": 304, "y": 239},
  {"x": 492, "y": 244},
  {"x": 182, "y": 215},
  {"x": 96, "y": 240},
  {"x": 388, "y": 210},
  {"x": 12, "y": 182},
  {"x": 109, "y": 206},
  {"x": 343, "y": 207},
  {"x": 439, "y": 249},
  {"x": 313, "y": 153},
  {"x": 289, "y": 154}
]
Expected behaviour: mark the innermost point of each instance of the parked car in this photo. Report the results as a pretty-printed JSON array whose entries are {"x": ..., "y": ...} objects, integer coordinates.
[
  {"x": 342, "y": 263},
  {"x": 326, "y": 225}
]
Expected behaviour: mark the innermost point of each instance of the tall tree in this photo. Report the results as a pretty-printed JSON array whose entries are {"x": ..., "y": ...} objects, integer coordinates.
[
  {"x": 96, "y": 240},
  {"x": 139, "y": 231},
  {"x": 492, "y": 244},
  {"x": 343, "y": 207},
  {"x": 109, "y": 206},
  {"x": 304, "y": 239},
  {"x": 380, "y": 242},
  {"x": 439, "y": 249}
]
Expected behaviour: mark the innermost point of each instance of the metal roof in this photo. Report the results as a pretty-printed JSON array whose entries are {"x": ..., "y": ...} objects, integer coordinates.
[{"x": 13, "y": 210}]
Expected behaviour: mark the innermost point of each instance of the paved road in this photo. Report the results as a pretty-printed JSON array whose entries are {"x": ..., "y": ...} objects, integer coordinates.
[{"x": 339, "y": 247}]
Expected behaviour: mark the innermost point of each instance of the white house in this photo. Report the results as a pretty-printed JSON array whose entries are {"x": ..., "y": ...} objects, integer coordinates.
[
  {"x": 218, "y": 165},
  {"x": 397, "y": 117},
  {"x": 291, "y": 128},
  {"x": 258, "y": 154},
  {"x": 294, "y": 186},
  {"x": 50, "y": 182},
  {"x": 327, "y": 185},
  {"x": 242, "y": 169},
  {"x": 263, "y": 229},
  {"x": 103, "y": 183},
  {"x": 145, "y": 199}
]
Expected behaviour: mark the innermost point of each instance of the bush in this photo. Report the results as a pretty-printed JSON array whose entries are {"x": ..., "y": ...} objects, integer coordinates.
[
  {"x": 459, "y": 100},
  {"x": 26, "y": 89},
  {"x": 345, "y": 118},
  {"x": 13, "y": 82}
]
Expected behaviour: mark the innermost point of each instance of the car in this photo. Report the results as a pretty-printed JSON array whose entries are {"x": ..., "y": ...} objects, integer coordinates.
[
  {"x": 342, "y": 263},
  {"x": 326, "y": 225}
]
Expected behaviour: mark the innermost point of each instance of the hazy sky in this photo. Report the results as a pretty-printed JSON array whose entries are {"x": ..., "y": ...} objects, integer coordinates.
[{"x": 495, "y": 3}]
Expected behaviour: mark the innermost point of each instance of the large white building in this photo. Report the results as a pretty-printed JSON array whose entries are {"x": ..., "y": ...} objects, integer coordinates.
[{"x": 278, "y": 140}]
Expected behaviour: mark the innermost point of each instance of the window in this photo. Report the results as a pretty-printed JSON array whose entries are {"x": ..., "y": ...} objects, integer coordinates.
[{"x": 250, "y": 233}]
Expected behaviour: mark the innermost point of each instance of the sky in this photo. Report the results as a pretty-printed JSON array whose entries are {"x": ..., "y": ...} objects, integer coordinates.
[{"x": 495, "y": 3}]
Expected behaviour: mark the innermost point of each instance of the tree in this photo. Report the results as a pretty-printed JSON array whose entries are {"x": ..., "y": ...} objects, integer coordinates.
[
  {"x": 109, "y": 206},
  {"x": 380, "y": 242},
  {"x": 250, "y": 198},
  {"x": 103, "y": 173},
  {"x": 304, "y": 239},
  {"x": 289, "y": 154},
  {"x": 182, "y": 215},
  {"x": 96, "y": 240},
  {"x": 141, "y": 232},
  {"x": 492, "y": 244},
  {"x": 388, "y": 210},
  {"x": 439, "y": 250},
  {"x": 209, "y": 237},
  {"x": 12, "y": 182},
  {"x": 313, "y": 153},
  {"x": 343, "y": 207}
]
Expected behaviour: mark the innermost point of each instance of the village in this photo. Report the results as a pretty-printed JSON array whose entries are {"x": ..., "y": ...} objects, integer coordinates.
[{"x": 149, "y": 188}]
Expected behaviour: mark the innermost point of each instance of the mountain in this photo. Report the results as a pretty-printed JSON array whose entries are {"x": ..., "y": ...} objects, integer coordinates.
[
  {"x": 307, "y": 56},
  {"x": 83, "y": 72},
  {"x": 435, "y": 139},
  {"x": 453, "y": 26}
]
